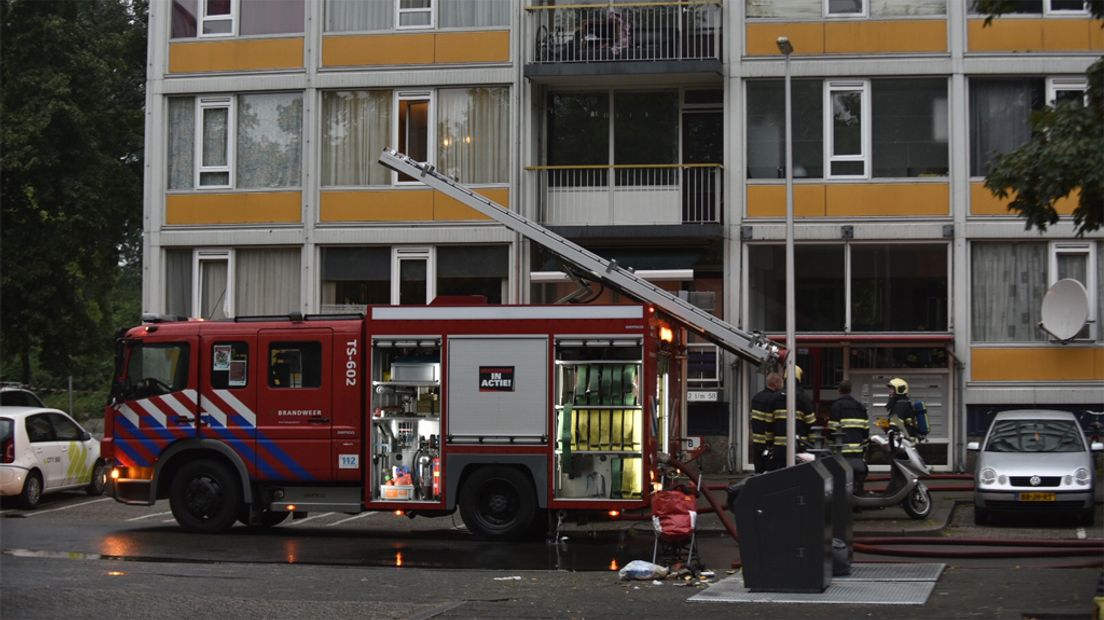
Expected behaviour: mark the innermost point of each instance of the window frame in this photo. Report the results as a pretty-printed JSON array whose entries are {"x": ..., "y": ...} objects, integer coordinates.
[
  {"x": 431, "y": 10},
  {"x": 1049, "y": 10},
  {"x": 228, "y": 103},
  {"x": 431, "y": 129},
  {"x": 203, "y": 18},
  {"x": 214, "y": 255},
  {"x": 862, "y": 86},
  {"x": 1077, "y": 248},
  {"x": 863, "y": 12},
  {"x": 1055, "y": 85},
  {"x": 399, "y": 254}
]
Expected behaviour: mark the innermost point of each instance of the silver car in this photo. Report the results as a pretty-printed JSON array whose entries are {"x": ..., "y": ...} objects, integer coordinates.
[{"x": 1034, "y": 460}]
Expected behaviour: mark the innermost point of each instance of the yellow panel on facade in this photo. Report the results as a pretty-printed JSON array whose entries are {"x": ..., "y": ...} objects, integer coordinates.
[
  {"x": 233, "y": 208},
  {"x": 1005, "y": 35},
  {"x": 384, "y": 205},
  {"x": 895, "y": 36},
  {"x": 466, "y": 47},
  {"x": 1037, "y": 364},
  {"x": 983, "y": 202},
  {"x": 806, "y": 37},
  {"x": 1066, "y": 34},
  {"x": 888, "y": 200},
  {"x": 770, "y": 200},
  {"x": 377, "y": 49},
  {"x": 1096, "y": 34},
  {"x": 448, "y": 209},
  {"x": 236, "y": 55}
]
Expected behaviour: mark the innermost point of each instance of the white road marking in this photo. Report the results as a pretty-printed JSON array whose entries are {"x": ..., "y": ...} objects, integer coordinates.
[
  {"x": 354, "y": 518},
  {"x": 1081, "y": 533},
  {"x": 298, "y": 521},
  {"x": 156, "y": 514},
  {"x": 91, "y": 501},
  {"x": 169, "y": 521}
]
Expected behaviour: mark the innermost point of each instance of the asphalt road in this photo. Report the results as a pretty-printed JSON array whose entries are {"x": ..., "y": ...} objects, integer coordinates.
[{"x": 78, "y": 557}]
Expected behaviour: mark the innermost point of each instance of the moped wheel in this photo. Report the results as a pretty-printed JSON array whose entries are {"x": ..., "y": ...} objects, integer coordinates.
[{"x": 918, "y": 504}]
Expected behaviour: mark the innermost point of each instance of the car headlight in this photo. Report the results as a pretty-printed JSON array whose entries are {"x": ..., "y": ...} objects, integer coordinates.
[
  {"x": 1082, "y": 475},
  {"x": 988, "y": 475}
]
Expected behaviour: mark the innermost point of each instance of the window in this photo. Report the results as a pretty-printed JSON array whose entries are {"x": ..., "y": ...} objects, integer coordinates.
[
  {"x": 473, "y": 13},
  {"x": 295, "y": 365},
  {"x": 1060, "y": 90},
  {"x": 851, "y": 288},
  {"x": 354, "y": 277},
  {"x": 412, "y": 278},
  {"x": 356, "y": 127},
  {"x": 845, "y": 8},
  {"x": 266, "y": 281},
  {"x": 1076, "y": 260},
  {"x": 766, "y": 129},
  {"x": 39, "y": 428},
  {"x": 221, "y": 18},
  {"x": 910, "y": 127},
  {"x": 414, "y": 13},
  {"x": 1007, "y": 288},
  {"x": 412, "y": 131},
  {"x": 229, "y": 365},
  {"x": 645, "y": 132},
  {"x": 243, "y": 142},
  {"x": 473, "y": 131},
  {"x": 212, "y": 284},
  {"x": 155, "y": 369},
  {"x": 579, "y": 135},
  {"x": 847, "y": 128},
  {"x": 214, "y": 146},
  {"x": 217, "y": 284},
  {"x": 473, "y": 270},
  {"x": 1000, "y": 117},
  {"x": 66, "y": 429},
  {"x": 1066, "y": 7}
]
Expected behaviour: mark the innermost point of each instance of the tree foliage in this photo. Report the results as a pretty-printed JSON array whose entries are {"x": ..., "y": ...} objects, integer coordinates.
[
  {"x": 1065, "y": 155},
  {"x": 71, "y": 137}
]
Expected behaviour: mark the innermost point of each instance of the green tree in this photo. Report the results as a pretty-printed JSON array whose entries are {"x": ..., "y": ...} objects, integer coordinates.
[
  {"x": 1064, "y": 155},
  {"x": 71, "y": 137}
]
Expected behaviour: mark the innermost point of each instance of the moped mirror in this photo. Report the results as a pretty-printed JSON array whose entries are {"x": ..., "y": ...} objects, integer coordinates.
[{"x": 973, "y": 446}]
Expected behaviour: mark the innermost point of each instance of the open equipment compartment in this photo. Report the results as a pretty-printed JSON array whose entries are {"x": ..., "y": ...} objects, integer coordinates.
[
  {"x": 406, "y": 419},
  {"x": 599, "y": 418}
]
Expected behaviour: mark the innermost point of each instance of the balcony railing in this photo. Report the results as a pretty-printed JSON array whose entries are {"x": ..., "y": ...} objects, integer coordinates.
[
  {"x": 625, "y": 31},
  {"x": 629, "y": 195}
]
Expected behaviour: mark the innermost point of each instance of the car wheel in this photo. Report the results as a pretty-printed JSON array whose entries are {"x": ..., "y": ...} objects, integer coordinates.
[
  {"x": 498, "y": 503},
  {"x": 981, "y": 516},
  {"x": 32, "y": 491},
  {"x": 99, "y": 479},
  {"x": 918, "y": 504},
  {"x": 205, "y": 497}
]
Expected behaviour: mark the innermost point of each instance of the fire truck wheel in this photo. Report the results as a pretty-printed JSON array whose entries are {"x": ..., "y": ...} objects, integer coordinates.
[
  {"x": 205, "y": 497},
  {"x": 498, "y": 503}
]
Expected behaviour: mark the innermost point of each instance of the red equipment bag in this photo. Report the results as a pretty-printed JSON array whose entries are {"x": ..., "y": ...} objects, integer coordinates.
[{"x": 674, "y": 515}]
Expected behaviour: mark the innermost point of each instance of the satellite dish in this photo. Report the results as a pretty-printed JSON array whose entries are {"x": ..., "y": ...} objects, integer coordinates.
[{"x": 1065, "y": 309}]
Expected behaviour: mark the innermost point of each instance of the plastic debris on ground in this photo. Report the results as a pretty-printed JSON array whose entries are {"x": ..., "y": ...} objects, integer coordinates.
[
  {"x": 639, "y": 569},
  {"x": 513, "y": 578}
]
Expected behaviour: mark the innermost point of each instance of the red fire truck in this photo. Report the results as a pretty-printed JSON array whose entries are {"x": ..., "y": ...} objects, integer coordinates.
[{"x": 509, "y": 413}]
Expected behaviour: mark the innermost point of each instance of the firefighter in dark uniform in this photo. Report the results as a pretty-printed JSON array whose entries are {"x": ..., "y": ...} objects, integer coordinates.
[
  {"x": 804, "y": 418},
  {"x": 763, "y": 406},
  {"x": 849, "y": 427},
  {"x": 899, "y": 408}
]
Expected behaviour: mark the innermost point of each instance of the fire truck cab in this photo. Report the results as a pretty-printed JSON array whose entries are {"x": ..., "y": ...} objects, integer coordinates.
[{"x": 505, "y": 412}]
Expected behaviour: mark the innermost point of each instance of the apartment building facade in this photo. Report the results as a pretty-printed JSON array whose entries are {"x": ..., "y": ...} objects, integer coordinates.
[{"x": 652, "y": 133}]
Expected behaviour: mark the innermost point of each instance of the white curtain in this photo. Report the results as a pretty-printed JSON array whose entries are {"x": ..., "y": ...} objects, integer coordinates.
[
  {"x": 1009, "y": 281},
  {"x": 473, "y": 134},
  {"x": 359, "y": 15},
  {"x": 266, "y": 281},
  {"x": 473, "y": 13},
  {"x": 356, "y": 126},
  {"x": 270, "y": 139},
  {"x": 178, "y": 282},
  {"x": 212, "y": 289},
  {"x": 181, "y": 148},
  {"x": 1000, "y": 117}
]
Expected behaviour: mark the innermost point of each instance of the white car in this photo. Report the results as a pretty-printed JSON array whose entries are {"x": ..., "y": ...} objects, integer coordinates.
[{"x": 42, "y": 451}]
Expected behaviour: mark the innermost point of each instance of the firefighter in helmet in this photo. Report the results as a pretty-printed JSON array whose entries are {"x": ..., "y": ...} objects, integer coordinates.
[
  {"x": 899, "y": 408},
  {"x": 763, "y": 405},
  {"x": 804, "y": 418},
  {"x": 849, "y": 426}
]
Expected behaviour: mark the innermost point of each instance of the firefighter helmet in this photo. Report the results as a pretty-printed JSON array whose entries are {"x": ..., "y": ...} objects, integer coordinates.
[{"x": 898, "y": 385}]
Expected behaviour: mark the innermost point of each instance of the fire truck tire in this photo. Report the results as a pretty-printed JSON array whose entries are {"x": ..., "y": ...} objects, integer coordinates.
[
  {"x": 498, "y": 503},
  {"x": 204, "y": 497},
  {"x": 98, "y": 480}
]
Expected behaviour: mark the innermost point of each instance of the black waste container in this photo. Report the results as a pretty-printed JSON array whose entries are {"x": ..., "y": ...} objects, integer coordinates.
[
  {"x": 843, "y": 485},
  {"x": 785, "y": 522}
]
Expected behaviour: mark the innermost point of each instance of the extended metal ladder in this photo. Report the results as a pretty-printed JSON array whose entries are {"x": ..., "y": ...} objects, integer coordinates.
[{"x": 753, "y": 346}]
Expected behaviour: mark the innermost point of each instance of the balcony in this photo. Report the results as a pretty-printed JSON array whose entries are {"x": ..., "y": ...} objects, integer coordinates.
[
  {"x": 629, "y": 195},
  {"x": 624, "y": 38}
]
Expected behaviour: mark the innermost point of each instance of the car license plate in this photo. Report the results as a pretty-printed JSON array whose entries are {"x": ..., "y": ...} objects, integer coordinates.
[{"x": 1036, "y": 497}]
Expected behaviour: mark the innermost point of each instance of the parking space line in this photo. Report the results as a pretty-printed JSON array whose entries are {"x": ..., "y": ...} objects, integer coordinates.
[
  {"x": 169, "y": 521},
  {"x": 156, "y": 514},
  {"x": 93, "y": 501},
  {"x": 353, "y": 518},
  {"x": 298, "y": 521}
]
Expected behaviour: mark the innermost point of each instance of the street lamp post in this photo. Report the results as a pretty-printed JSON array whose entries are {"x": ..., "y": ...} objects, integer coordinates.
[{"x": 786, "y": 48}]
